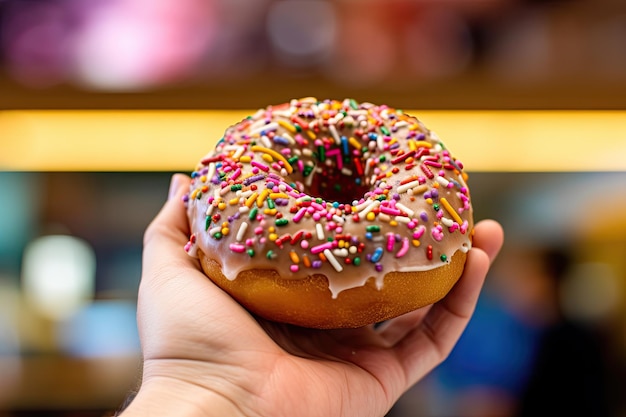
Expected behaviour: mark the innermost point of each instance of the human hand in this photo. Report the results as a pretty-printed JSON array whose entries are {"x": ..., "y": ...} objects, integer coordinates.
[{"x": 206, "y": 355}]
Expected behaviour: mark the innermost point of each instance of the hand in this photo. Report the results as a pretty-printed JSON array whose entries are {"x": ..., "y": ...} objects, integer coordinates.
[{"x": 205, "y": 355}]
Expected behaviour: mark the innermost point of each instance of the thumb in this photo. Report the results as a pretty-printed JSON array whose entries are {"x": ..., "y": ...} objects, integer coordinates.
[{"x": 167, "y": 234}]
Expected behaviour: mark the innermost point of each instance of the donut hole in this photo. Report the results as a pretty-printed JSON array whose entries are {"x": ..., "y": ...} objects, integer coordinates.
[{"x": 335, "y": 186}]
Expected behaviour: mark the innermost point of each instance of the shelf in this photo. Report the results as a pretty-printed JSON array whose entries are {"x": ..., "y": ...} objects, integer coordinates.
[{"x": 174, "y": 140}]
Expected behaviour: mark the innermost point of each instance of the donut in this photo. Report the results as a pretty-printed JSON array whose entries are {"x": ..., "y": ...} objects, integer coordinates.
[{"x": 330, "y": 213}]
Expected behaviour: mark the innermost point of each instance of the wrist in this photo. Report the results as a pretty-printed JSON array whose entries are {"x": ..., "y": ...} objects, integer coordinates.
[{"x": 168, "y": 397}]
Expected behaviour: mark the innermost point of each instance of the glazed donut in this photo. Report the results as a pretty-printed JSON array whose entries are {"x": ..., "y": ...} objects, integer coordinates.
[{"x": 330, "y": 214}]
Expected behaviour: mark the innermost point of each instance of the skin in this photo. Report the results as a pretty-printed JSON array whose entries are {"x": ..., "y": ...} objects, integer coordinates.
[{"x": 204, "y": 355}]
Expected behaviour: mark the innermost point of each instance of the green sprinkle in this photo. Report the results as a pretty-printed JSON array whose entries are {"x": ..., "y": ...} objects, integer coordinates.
[
  {"x": 269, "y": 254},
  {"x": 198, "y": 196},
  {"x": 443, "y": 258},
  {"x": 250, "y": 252},
  {"x": 436, "y": 207},
  {"x": 321, "y": 153},
  {"x": 353, "y": 104},
  {"x": 356, "y": 261},
  {"x": 382, "y": 158},
  {"x": 372, "y": 228},
  {"x": 384, "y": 130},
  {"x": 207, "y": 222},
  {"x": 307, "y": 170},
  {"x": 218, "y": 235},
  {"x": 270, "y": 203},
  {"x": 282, "y": 222},
  {"x": 292, "y": 160},
  {"x": 236, "y": 187},
  {"x": 253, "y": 213}
]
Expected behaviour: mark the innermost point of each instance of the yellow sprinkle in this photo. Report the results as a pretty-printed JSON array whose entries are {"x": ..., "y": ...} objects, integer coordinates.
[
  {"x": 261, "y": 199},
  {"x": 245, "y": 159},
  {"x": 355, "y": 143},
  {"x": 271, "y": 229},
  {"x": 225, "y": 231},
  {"x": 203, "y": 178},
  {"x": 412, "y": 146},
  {"x": 194, "y": 193},
  {"x": 451, "y": 210},
  {"x": 251, "y": 199},
  {"x": 393, "y": 223},
  {"x": 267, "y": 158},
  {"x": 420, "y": 189},
  {"x": 416, "y": 242},
  {"x": 274, "y": 196},
  {"x": 275, "y": 154},
  {"x": 429, "y": 200},
  {"x": 294, "y": 257},
  {"x": 465, "y": 176},
  {"x": 221, "y": 205},
  {"x": 270, "y": 212},
  {"x": 233, "y": 201},
  {"x": 370, "y": 216},
  {"x": 311, "y": 134},
  {"x": 423, "y": 144},
  {"x": 287, "y": 126},
  {"x": 272, "y": 236}
]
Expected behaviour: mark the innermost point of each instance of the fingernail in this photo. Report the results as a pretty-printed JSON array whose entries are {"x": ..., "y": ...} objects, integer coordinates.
[{"x": 174, "y": 185}]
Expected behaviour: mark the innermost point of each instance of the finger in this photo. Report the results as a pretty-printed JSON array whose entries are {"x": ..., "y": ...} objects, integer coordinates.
[
  {"x": 167, "y": 234},
  {"x": 430, "y": 342},
  {"x": 488, "y": 238},
  {"x": 394, "y": 330}
]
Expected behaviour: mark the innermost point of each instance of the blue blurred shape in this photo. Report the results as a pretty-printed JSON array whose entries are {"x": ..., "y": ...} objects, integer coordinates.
[{"x": 101, "y": 329}]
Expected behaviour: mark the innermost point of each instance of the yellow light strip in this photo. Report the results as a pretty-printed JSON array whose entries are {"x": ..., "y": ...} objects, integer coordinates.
[{"x": 176, "y": 140}]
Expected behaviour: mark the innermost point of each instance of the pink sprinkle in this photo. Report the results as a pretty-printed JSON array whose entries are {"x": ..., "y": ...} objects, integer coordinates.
[
  {"x": 437, "y": 233},
  {"x": 419, "y": 232},
  {"x": 258, "y": 230},
  {"x": 321, "y": 248},
  {"x": 404, "y": 249},
  {"x": 236, "y": 247},
  {"x": 299, "y": 215},
  {"x": 260, "y": 166},
  {"x": 236, "y": 174},
  {"x": 390, "y": 241},
  {"x": 294, "y": 268},
  {"x": 390, "y": 211}
]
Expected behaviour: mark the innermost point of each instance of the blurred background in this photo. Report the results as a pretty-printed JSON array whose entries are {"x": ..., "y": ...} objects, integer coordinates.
[{"x": 96, "y": 97}]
